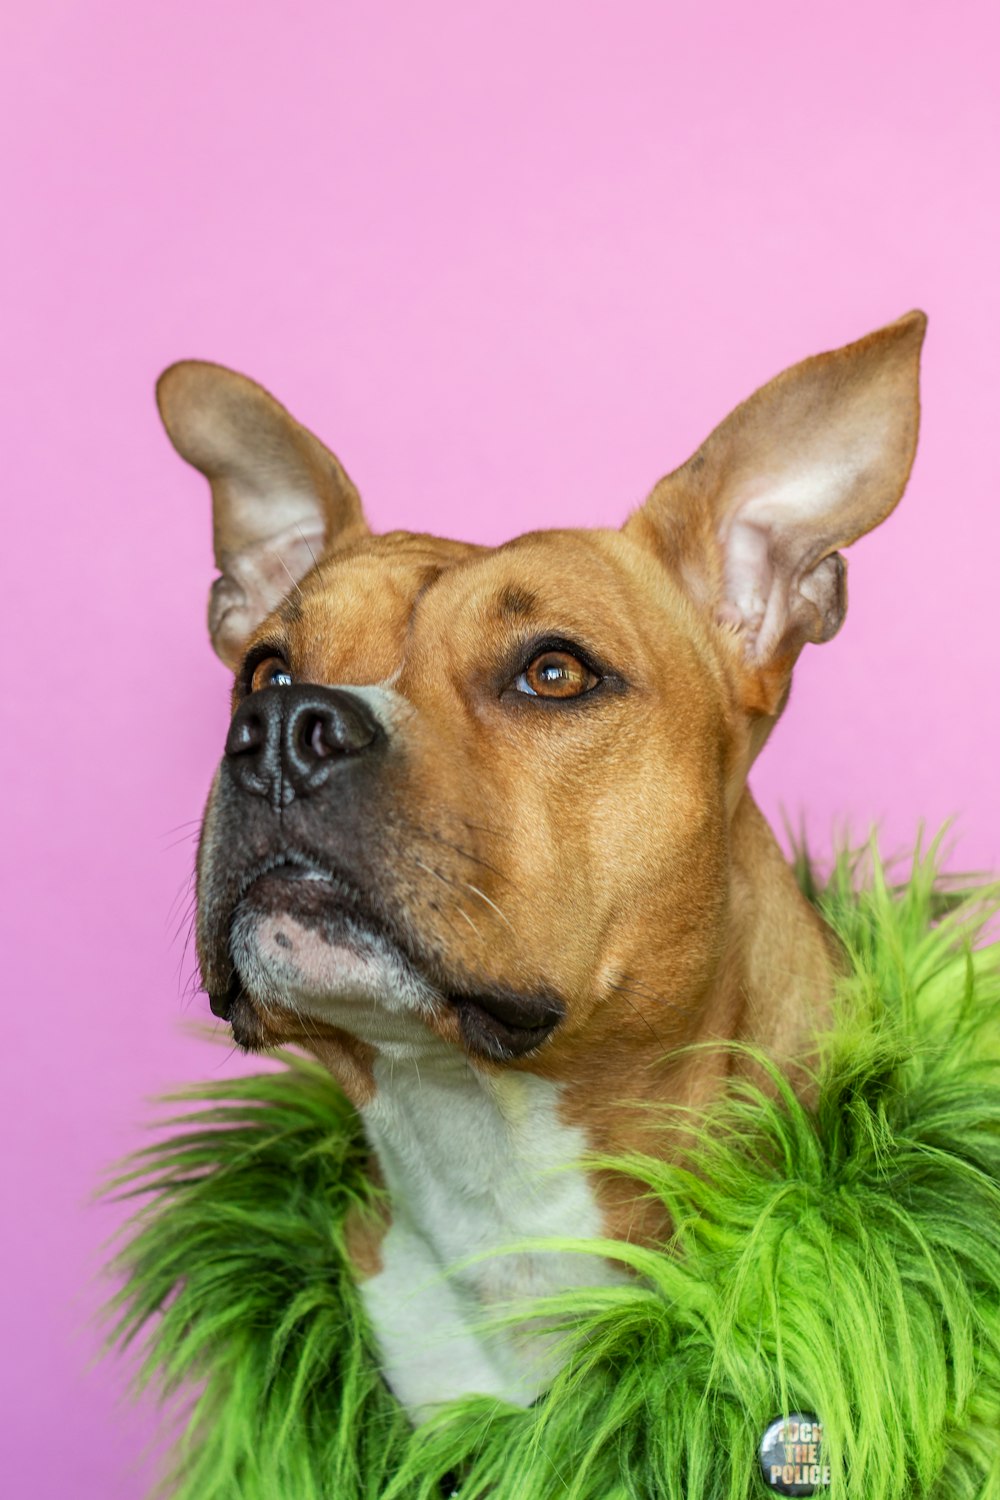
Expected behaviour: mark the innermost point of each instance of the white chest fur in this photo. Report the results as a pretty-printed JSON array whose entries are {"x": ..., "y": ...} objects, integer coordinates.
[{"x": 472, "y": 1163}]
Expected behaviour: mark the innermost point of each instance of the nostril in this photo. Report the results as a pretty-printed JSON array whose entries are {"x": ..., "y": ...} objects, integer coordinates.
[
  {"x": 246, "y": 734},
  {"x": 320, "y": 728},
  {"x": 317, "y": 740},
  {"x": 312, "y": 736}
]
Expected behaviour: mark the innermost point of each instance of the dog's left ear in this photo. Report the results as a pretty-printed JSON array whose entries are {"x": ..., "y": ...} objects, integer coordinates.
[{"x": 752, "y": 524}]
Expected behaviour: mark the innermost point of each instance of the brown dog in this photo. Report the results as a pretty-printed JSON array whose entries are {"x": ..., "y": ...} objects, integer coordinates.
[{"x": 481, "y": 837}]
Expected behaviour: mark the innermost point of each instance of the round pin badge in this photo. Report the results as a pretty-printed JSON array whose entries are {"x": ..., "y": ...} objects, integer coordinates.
[{"x": 791, "y": 1455}]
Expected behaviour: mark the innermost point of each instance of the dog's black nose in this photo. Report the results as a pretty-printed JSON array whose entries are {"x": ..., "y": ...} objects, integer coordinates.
[{"x": 285, "y": 742}]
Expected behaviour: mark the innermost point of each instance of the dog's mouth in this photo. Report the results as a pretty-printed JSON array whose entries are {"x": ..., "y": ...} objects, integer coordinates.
[
  {"x": 311, "y": 893},
  {"x": 493, "y": 1022}
]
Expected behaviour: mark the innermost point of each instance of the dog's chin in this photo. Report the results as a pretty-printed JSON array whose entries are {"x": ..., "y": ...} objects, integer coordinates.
[
  {"x": 302, "y": 945},
  {"x": 306, "y": 955}
]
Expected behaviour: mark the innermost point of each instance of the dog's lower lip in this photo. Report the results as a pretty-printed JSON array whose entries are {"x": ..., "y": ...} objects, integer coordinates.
[
  {"x": 503, "y": 1026},
  {"x": 286, "y": 868},
  {"x": 220, "y": 1005},
  {"x": 330, "y": 887},
  {"x": 513, "y": 1011}
]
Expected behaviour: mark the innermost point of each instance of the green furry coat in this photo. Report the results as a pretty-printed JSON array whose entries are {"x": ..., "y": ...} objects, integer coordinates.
[{"x": 841, "y": 1260}]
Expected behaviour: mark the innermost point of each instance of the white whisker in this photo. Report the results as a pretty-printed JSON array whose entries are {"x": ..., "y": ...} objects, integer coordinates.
[
  {"x": 451, "y": 885},
  {"x": 309, "y": 549},
  {"x": 294, "y": 581},
  {"x": 483, "y": 897}
]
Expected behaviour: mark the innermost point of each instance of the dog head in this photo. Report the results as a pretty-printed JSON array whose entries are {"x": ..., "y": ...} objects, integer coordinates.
[{"x": 485, "y": 793}]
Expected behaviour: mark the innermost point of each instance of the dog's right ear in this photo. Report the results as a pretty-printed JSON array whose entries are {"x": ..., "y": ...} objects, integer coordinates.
[{"x": 280, "y": 499}]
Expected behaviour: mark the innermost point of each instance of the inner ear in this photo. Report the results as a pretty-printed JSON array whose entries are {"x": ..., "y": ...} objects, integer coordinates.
[
  {"x": 280, "y": 499},
  {"x": 753, "y": 524}
]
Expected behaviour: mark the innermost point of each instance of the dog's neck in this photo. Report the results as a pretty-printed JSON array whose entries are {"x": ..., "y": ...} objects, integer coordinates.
[
  {"x": 473, "y": 1163},
  {"x": 770, "y": 989}
]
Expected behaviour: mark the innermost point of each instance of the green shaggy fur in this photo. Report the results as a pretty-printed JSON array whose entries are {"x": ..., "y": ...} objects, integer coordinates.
[{"x": 842, "y": 1259}]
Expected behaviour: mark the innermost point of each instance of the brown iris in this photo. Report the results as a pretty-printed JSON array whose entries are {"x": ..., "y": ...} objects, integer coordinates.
[
  {"x": 556, "y": 674},
  {"x": 271, "y": 672}
]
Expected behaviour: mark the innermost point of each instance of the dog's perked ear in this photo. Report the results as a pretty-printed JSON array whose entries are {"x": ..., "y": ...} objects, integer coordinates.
[
  {"x": 753, "y": 523},
  {"x": 280, "y": 499}
]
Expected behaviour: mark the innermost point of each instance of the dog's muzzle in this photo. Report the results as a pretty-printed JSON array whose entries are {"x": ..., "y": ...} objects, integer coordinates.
[{"x": 307, "y": 882}]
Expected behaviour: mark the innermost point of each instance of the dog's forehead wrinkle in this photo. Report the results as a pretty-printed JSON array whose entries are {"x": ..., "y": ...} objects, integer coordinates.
[
  {"x": 379, "y": 586},
  {"x": 431, "y": 576},
  {"x": 515, "y": 601}
]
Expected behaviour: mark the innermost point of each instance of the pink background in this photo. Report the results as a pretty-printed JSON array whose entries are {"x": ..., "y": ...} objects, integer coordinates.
[{"x": 512, "y": 261}]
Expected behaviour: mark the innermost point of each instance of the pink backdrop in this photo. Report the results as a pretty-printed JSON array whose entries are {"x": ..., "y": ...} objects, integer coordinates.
[{"x": 512, "y": 261}]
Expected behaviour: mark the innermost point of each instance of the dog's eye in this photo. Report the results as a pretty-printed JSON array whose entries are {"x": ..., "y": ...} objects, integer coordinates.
[
  {"x": 271, "y": 672},
  {"x": 556, "y": 674}
]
